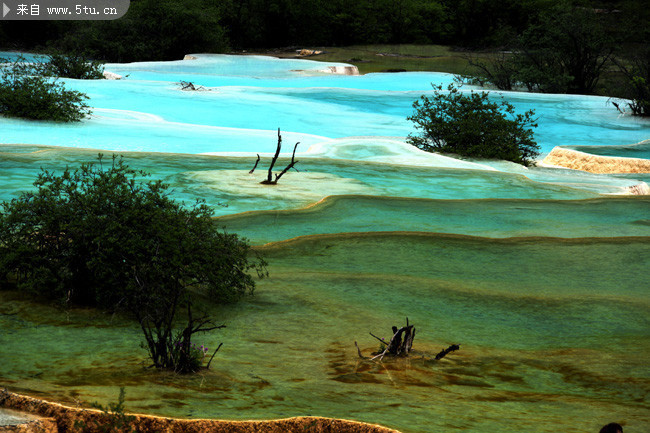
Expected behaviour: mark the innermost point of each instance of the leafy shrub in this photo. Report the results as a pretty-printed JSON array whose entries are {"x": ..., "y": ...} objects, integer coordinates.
[
  {"x": 104, "y": 237},
  {"x": 73, "y": 66},
  {"x": 193, "y": 355},
  {"x": 26, "y": 94},
  {"x": 640, "y": 103},
  {"x": 471, "y": 125},
  {"x": 635, "y": 68}
]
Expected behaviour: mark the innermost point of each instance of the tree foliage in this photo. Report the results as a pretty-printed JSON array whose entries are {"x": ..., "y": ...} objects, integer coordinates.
[
  {"x": 167, "y": 29},
  {"x": 566, "y": 51},
  {"x": 635, "y": 68},
  {"x": 75, "y": 66},
  {"x": 469, "y": 124},
  {"x": 103, "y": 237},
  {"x": 150, "y": 30},
  {"x": 26, "y": 93},
  {"x": 548, "y": 45}
]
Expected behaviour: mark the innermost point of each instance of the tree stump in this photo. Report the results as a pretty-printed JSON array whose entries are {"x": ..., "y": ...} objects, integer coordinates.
[{"x": 401, "y": 343}]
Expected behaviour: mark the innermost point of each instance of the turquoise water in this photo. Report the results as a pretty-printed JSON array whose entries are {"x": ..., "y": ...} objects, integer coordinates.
[
  {"x": 637, "y": 150},
  {"x": 227, "y": 181},
  {"x": 255, "y": 95},
  {"x": 541, "y": 275}
]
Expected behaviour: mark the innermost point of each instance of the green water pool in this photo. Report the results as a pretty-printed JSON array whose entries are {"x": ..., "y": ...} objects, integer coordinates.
[
  {"x": 540, "y": 274},
  {"x": 533, "y": 353}
]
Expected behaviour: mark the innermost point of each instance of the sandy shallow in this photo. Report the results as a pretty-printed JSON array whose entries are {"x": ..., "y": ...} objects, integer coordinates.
[{"x": 60, "y": 418}]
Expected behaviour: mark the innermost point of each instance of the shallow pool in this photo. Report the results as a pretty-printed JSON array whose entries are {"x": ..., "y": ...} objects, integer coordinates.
[{"x": 541, "y": 275}]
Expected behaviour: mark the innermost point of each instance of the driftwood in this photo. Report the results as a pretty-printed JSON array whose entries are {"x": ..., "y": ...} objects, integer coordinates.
[
  {"x": 188, "y": 85},
  {"x": 617, "y": 105},
  {"x": 269, "y": 178},
  {"x": 444, "y": 352},
  {"x": 288, "y": 167},
  {"x": 401, "y": 343},
  {"x": 255, "y": 166},
  {"x": 207, "y": 367}
]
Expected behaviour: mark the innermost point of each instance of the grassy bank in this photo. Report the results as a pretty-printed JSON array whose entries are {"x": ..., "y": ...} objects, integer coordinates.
[
  {"x": 378, "y": 58},
  {"x": 410, "y": 57}
]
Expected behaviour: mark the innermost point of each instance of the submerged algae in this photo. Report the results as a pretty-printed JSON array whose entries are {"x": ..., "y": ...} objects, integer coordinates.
[{"x": 289, "y": 350}]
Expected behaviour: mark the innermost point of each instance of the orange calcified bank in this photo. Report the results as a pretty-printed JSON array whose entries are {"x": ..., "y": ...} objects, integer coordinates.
[
  {"x": 595, "y": 163},
  {"x": 60, "y": 418}
]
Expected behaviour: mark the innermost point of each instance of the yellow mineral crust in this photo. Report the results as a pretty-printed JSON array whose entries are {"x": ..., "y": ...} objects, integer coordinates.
[
  {"x": 576, "y": 160},
  {"x": 64, "y": 419}
]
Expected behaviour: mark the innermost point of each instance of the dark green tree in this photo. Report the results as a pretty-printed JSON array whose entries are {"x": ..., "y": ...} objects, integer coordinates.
[
  {"x": 566, "y": 51},
  {"x": 26, "y": 93},
  {"x": 103, "y": 237},
  {"x": 150, "y": 30},
  {"x": 635, "y": 68},
  {"x": 481, "y": 23},
  {"x": 469, "y": 124}
]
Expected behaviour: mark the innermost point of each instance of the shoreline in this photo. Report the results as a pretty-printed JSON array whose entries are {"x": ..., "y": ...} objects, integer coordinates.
[{"x": 57, "y": 417}]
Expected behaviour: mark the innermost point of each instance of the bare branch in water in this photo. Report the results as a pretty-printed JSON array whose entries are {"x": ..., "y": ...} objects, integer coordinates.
[
  {"x": 444, "y": 352},
  {"x": 269, "y": 178},
  {"x": 255, "y": 166},
  {"x": 215, "y": 352}
]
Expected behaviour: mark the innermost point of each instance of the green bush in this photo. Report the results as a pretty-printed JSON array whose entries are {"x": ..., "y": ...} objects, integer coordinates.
[
  {"x": 25, "y": 93},
  {"x": 640, "y": 102},
  {"x": 635, "y": 68},
  {"x": 73, "y": 66},
  {"x": 472, "y": 125},
  {"x": 104, "y": 237}
]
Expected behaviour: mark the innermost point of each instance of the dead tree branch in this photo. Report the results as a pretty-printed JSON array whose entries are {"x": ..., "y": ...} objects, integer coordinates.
[
  {"x": 189, "y": 86},
  {"x": 359, "y": 351},
  {"x": 215, "y": 352},
  {"x": 255, "y": 166},
  {"x": 290, "y": 166},
  {"x": 400, "y": 344},
  {"x": 444, "y": 352},
  {"x": 269, "y": 178},
  {"x": 378, "y": 338}
]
